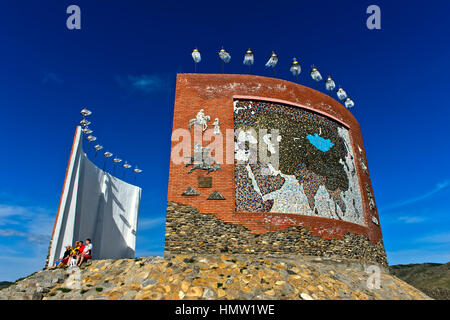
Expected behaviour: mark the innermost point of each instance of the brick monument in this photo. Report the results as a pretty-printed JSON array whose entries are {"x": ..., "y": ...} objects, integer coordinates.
[{"x": 314, "y": 198}]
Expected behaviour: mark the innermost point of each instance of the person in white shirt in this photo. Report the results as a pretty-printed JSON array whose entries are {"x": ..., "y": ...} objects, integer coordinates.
[{"x": 86, "y": 254}]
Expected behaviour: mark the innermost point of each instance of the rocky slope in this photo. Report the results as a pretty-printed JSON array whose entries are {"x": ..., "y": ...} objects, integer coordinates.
[
  {"x": 432, "y": 278},
  {"x": 211, "y": 277}
]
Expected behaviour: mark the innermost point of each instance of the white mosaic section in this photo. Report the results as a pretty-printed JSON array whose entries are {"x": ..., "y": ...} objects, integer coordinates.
[
  {"x": 291, "y": 198},
  {"x": 352, "y": 197}
]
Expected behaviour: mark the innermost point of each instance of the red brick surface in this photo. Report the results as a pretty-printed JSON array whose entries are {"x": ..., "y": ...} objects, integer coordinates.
[{"x": 214, "y": 93}]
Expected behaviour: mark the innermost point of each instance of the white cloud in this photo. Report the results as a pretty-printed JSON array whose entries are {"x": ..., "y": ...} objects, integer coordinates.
[
  {"x": 436, "y": 238},
  {"x": 150, "y": 223},
  {"x": 411, "y": 219},
  {"x": 145, "y": 83},
  {"x": 439, "y": 187},
  {"x": 7, "y": 211},
  {"x": 32, "y": 223},
  {"x": 34, "y": 238}
]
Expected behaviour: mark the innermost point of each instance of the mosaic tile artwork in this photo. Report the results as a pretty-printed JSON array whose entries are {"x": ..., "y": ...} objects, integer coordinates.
[{"x": 316, "y": 174}]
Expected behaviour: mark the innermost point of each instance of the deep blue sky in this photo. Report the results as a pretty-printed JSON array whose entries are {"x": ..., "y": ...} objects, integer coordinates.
[{"x": 122, "y": 65}]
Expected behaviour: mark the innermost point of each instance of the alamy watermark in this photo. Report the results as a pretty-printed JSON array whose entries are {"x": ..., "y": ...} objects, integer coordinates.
[
  {"x": 73, "y": 280},
  {"x": 374, "y": 280},
  {"x": 374, "y": 20},
  {"x": 74, "y": 20}
]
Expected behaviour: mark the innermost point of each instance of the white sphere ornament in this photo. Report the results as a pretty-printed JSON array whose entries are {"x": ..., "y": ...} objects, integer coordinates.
[
  {"x": 315, "y": 74},
  {"x": 196, "y": 55},
  {"x": 137, "y": 170},
  {"x": 329, "y": 84},
  {"x": 341, "y": 94},
  {"x": 84, "y": 123},
  {"x": 273, "y": 60},
  {"x": 126, "y": 165},
  {"x": 248, "y": 58},
  {"x": 349, "y": 103},
  {"x": 295, "y": 67},
  {"x": 85, "y": 112},
  {"x": 224, "y": 55}
]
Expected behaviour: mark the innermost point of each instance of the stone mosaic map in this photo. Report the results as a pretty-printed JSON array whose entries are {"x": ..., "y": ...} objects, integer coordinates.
[{"x": 316, "y": 174}]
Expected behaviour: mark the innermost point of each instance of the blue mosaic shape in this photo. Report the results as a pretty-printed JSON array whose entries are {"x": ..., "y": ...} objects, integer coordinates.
[{"x": 320, "y": 143}]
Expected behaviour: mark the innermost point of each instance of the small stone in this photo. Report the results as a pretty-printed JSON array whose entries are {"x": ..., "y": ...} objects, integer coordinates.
[
  {"x": 246, "y": 290},
  {"x": 311, "y": 288},
  {"x": 270, "y": 292},
  {"x": 224, "y": 257},
  {"x": 185, "y": 286},
  {"x": 194, "y": 292},
  {"x": 155, "y": 295},
  {"x": 208, "y": 293},
  {"x": 37, "y": 296},
  {"x": 149, "y": 282},
  {"x": 221, "y": 293},
  {"x": 305, "y": 296}
]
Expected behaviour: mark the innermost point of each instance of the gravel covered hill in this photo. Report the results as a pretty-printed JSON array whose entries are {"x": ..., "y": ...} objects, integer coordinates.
[
  {"x": 211, "y": 277},
  {"x": 432, "y": 278}
]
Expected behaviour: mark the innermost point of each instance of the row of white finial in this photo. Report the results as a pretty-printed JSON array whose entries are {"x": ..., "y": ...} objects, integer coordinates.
[
  {"x": 90, "y": 138},
  {"x": 295, "y": 69}
]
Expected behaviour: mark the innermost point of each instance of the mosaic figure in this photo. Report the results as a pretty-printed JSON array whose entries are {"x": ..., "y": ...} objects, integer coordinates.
[
  {"x": 370, "y": 196},
  {"x": 200, "y": 120},
  {"x": 216, "y": 126}
]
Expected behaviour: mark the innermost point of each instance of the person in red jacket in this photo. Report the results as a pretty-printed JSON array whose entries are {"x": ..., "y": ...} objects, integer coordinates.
[{"x": 85, "y": 252}]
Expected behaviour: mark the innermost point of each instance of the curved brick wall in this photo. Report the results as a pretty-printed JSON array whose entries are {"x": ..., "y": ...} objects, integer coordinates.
[{"x": 322, "y": 183}]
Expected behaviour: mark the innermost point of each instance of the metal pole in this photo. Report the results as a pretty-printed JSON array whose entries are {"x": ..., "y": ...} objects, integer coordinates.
[{"x": 89, "y": 143}]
